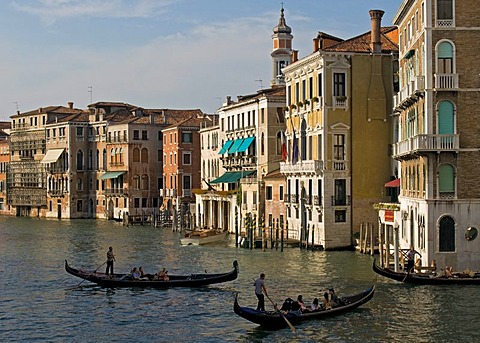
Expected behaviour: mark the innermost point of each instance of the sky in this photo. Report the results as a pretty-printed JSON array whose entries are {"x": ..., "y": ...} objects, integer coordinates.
[{"x": 179, "y": 54}]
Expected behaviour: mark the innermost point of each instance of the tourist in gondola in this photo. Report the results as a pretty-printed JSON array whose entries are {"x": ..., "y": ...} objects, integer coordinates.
[
  {"x": 327, "y": 303},
  {"x": 315, "y": 306},
  {"x": 260, "y": 292},
  {"x": 300, "y": 304}
]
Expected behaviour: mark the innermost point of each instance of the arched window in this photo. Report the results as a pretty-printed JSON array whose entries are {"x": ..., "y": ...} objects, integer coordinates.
[
  {"x": 262, "y": 144},
  {"x": 279, "y": 143},
  {"x": 112, "y": 156},
  {"x": 145, "y": 182},
  {"x": 79, "y": 184},
  {"x": 136, "y": 155},
  {"x": 97, "y": 160},
  {"x": 104, "y": 159},
  {"x": 445, "y": 55},
  {"x": 446, "y": 180},
  {"x": 136, "y": 182},
  {"x": 144, "y": 155},
  {"x": 90, "y": 159},
  {"x": 80, "y": 160},
  {"x": 446, "y": 119},
  {"x": 120, "y": 155},
  {"x": 446, "y": 234}
]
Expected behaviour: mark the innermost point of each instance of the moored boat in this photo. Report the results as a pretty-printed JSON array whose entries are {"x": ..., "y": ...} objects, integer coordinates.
[
  {"x": 428, "y": 278},
  {"x": 203, "y": 237},
  {"x": 125, "y": 280},
  {"x": 274, "y": 320}
]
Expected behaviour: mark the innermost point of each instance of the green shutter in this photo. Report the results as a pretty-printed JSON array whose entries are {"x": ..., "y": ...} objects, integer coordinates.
[
  {"x": 446, "y": 176},
  {"x": 445, "y": 118},
  {"x": 445, "y": 50}
]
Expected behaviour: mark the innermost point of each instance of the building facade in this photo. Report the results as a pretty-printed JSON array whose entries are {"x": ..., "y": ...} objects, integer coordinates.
[
  {"x": 437, "y": 142},
  {"x": 339, "y": 102}
]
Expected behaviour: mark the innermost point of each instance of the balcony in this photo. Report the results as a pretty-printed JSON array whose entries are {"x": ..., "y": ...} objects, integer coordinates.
[
  {"x": 410, "y": 93},
  {"x": 308, "y": 167},
  {"x": 115, "y": 192},
  {"x": 426, "y": 143},
  {"x": 339, "y": 101},
  {"x": 339, "y": 165},
  {"x": 445, "y": 23},
  {"x": 56, "y": 193},
  {"x": 187, "y": 192},
  {"x": 294, "y": 198},
  {"x": 446, "y": 82}
]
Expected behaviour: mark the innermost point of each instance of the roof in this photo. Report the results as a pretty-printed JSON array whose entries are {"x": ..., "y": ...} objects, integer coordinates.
[{"x": 362, "y": 42}]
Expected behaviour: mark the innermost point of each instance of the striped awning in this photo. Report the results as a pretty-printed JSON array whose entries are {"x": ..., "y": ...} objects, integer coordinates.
[
  {"x": 236, "y": 144},
  {"x": 225, "y": 147},
  {"x": 245, "y": 144},
  {"x": 52, "y": 155}
]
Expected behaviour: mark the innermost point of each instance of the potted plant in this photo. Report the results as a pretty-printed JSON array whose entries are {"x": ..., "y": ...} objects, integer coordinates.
[
  {"x": 300, "y": 104},
  {"x": 307, "y": 102},
  {"x": 315, "y": 99}
]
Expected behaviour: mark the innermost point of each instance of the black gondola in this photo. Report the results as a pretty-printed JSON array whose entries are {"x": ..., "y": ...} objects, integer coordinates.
[
  {"x": 428, "y": 279},
  {"x": 125, "y": 280},
  {"x": 273, "y": 320}
]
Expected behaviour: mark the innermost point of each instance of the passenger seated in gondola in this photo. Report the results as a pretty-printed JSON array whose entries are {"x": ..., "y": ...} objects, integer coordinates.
[
  {"x": 315, "y": 305},
  {"x": 335, "y": 300},
  {"x": 135, "y": 274},
  {"x": 287, "y": 305},
  {"x": 448, "y": 272},
  {"x": 327, "y": 303},
  {"x": 144, "y": 276},
  {"x": 162, "y": 275},
  {"x": 301, "y": 304}
]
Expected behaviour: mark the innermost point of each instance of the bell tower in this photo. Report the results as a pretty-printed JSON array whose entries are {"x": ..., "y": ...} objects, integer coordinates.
[{"x": 282, "y": 50}]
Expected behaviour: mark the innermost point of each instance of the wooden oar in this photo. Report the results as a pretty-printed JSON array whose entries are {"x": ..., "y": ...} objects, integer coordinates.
[
  {"x": 281, "y": 313},
  {"x": 86, "y": 277}
]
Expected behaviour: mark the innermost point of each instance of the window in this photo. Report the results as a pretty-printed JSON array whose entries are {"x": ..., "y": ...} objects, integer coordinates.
[
  {"x": 445, "y": 58},
  {"x": 340, "y": 192},
  {"x": 136, "y": 135},
  {"x": 280, "y": 193},
  {"x": 279, "y": 143},
  {"x": 187, "y": 158},
  {"x": 187, "y": 182},
  {"x": 186, "y": 137},
  {"x": 304, "y": 90},
  {"x": 339, "y": 84},
  {"x": 446, "y": 179},
  {"x": 144, "y": 202},
  {"x": 136, "y": 182},
  {"x": 136, "y": 202},
  {"x": 319, "y": 81},
  {"x": 80, "y": 160},
  {"x": 144, "y": 135},
  {"x": 339, "y": 147},
  {"x": 269, "y": 193},
  {"x": 79, "y": 131},
  {"x": 310, "y": 87},
  {"x": 444, "y": 9},
  {"x": 136, "y": 155},
  {"x": 79, "y": 206},
  {"x": 262, "y": 144},
  {"x": 262, "y": 115},
  {"x": 446, "y": 234},
  {"x": 145, "y": 183},
  {"x": 340, "y": 216},
  {"x": 144, "y": 157}
]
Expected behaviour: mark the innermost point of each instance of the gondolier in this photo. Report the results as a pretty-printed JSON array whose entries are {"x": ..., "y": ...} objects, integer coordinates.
[
  {"x": 110, "y": 259},
  {"x": 260, "y": 290},
  {"x": 411, "y": 259}
]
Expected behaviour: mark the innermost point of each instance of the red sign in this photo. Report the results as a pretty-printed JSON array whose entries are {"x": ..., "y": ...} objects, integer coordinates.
[{"x": 389, "y": 216}]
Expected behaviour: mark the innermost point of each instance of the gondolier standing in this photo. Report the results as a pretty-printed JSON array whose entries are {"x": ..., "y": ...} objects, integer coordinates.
[
  {"x": 260, "y": 290},
  {"x": 411, "y": 259},
  {"x": 110, "y": 259}
]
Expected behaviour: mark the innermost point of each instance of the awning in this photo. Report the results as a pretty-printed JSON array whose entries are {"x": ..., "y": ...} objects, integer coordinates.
[
  {"x": 393, "y": 184},
  {"x": 246, "y": 144},
  {"x": 52, "y": 155},
  {"x": 111, "y": 175},
  {"x": 225, "y": 147},
  {"x": 409, "y": 54},
  {"x": 233, "y": 149},
  {"x": 230, "y": 177}
]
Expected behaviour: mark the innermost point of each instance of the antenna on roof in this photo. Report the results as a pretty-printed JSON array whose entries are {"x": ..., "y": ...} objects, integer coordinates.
[
  {"x": 16, "y": 104},
  {"x": 261, "y": 83},
  {"x": 90, "y": 90}
]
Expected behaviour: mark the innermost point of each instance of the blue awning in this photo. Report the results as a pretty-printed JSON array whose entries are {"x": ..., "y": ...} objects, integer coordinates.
[
  {"x": 246, "y": 144},
  {"x": 233, "y": 149},
  {"x": 230, "y": 177},
  {"x": 225, "y": 147},
  {"x": 111, "y": 175}
]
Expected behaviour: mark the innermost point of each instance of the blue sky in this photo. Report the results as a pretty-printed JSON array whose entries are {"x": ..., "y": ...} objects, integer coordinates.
[{"x": 156, "y": 53}]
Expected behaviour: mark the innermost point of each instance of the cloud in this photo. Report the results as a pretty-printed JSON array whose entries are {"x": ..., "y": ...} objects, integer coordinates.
[{"x": 49, "y": 11}]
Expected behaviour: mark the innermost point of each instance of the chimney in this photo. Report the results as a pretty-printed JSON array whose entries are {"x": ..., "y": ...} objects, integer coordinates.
[
  {"x": 294, "y": 56},
  {"x": 376, "y": 21},
  {"x": 315, "y": 44},
  {"x": 40, "y": 110},
  {"x": 70, "y": 105}
]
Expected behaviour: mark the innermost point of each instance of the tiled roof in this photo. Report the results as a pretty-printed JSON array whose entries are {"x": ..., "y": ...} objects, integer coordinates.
[
  {"x": 274, "y": 91},
  {"x": 361, "y": 43}
]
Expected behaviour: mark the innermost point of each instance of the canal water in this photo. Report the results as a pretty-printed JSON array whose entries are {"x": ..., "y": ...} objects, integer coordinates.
[{"x": 40, "y": 302}]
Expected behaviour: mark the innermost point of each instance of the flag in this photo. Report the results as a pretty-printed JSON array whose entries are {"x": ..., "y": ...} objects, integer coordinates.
[
  {"x": 295, "y": 149},
  {"x": 284, "y": 147}
]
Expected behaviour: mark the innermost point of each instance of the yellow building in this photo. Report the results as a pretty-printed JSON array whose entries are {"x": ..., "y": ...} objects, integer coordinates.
[{"x": 339, "y": 105}]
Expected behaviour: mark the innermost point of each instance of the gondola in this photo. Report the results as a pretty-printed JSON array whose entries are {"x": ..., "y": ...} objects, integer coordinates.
[
  {"x": 274, "y": 320},
  {"x": 428, "y": 278},
  {"x": 125, "y": 280}
]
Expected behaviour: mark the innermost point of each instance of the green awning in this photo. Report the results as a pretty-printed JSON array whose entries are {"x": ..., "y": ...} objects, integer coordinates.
[
  {"x": 409, "y": 54},
  {"x": 233, "y": 149},
  {"x": 111, "y": 175},
  {"x": 225, "y": 147},
  {"x": 230, "y": 177},
  {"x": 246, "y": 144}
]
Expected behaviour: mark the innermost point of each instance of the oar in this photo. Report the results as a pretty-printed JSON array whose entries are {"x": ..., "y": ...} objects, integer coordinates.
[
  {"x": 281, "y": 313},
  {"x": 408, "y": 272},
  {"x": 86, "y": 277}
]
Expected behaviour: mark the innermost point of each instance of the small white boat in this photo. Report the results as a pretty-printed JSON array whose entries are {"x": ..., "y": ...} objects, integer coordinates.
[{"x": 202, "y": 237}]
